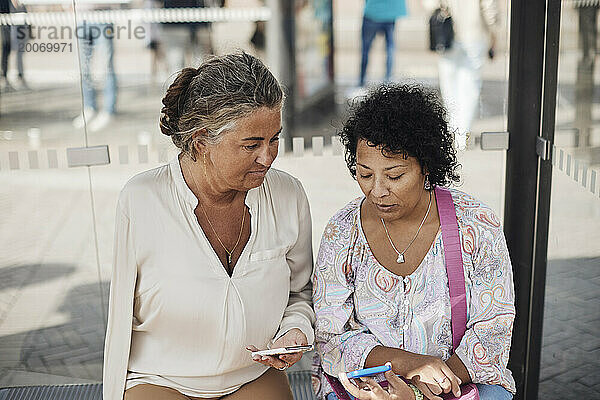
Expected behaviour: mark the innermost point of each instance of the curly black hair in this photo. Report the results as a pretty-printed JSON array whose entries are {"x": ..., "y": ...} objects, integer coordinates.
[{"x": 405, "y": 119}]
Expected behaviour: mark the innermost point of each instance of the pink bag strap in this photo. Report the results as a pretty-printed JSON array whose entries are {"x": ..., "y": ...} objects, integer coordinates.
[
  {"x": 454, "y": 264},
  {"x": 337, "y": 387}
]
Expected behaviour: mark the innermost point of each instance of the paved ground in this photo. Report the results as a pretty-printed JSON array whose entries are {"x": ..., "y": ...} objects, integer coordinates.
[
  {"x": 54, "y": 278},
  {"x": 571, "y": 345}
]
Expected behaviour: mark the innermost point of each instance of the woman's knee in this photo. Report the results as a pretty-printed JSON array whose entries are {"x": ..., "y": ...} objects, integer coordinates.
[
  {"x": 147, "y": 391},
  {"x": 272, "y": 385},
  {"x": 493, "y": 392}
]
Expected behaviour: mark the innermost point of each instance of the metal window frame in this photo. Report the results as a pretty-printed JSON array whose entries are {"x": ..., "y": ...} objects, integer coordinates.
[{"x": 533, "y": 69}]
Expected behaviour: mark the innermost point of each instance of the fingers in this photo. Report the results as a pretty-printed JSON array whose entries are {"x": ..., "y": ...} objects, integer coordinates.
[
  {"x": 435, "y": 388},
  {"x": 445, "y": 384},
  {"x": 424, "y": 388},
  {"x": 291, "y": 338},
  {"x": 396, "y": 385},
  {"x": 351, "y": 388},
  {"x": 378, "y": 392},
  {"x": 291, "y": 359},
  {"x": 456, "y": 388},
  {"x": 394, "y": 380},
  {"x": 274, "y": 362},
  {"x": 454, "y": 380},
  {"x": 283, "y": 361},
  {"x": 269, "y": 361}
]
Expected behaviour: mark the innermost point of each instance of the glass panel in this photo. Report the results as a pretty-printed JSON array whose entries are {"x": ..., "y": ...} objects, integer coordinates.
[
  {"x": 570, "y": 358},
  {"x": 146, "y": 56},
  {"x": 462, "y": 69},
  {"x": 51, "y": 319}
]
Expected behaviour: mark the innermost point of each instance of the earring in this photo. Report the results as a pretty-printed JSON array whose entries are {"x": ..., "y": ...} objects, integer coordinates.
[{"x": 427, "y": 185}]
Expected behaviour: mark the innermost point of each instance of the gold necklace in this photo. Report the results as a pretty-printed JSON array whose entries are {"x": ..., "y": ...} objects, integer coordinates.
[
  {"x": 229, "y": 253},
  {"x": 400, "y": 258}
]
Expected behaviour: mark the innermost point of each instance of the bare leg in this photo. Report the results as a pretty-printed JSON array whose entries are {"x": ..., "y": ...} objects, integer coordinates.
[
  {"x": 272, "y": 385},
  {"x": 147, "y": 391}
]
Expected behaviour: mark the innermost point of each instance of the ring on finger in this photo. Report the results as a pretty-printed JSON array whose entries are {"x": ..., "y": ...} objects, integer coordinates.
[{"x": 440, "y": 381}]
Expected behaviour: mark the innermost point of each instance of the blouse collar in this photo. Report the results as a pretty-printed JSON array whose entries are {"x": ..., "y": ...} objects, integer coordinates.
[{"x": 189, "y": 197}]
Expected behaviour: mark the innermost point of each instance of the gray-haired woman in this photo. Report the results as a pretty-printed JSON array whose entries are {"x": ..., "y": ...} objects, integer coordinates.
[{"x": 212, "y": 251}]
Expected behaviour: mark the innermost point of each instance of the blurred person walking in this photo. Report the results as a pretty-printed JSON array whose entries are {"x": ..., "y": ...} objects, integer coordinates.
[
  {"x": 5, "y": 37},
  {"x": 379, "y": 16},
  {"x": 14, "y": 38},
  {"x": 475, "y": 25},
  {"x": 96, "y": 37},
  {"x": 158, "y": 63},
  {"x": 185, "y": 40}
]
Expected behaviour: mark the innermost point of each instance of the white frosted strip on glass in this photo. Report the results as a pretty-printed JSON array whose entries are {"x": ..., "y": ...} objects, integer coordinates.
[
  {"x": 52, "y": 158},
  {"x": 163, "y": 154},
  {"x": 336, "y": 145},
  {"x": 13, "y": 160},
  {"x": 561, "y": 157},
  {"x": 123, "y": 154},
  {"x": 138, "y": 15},
  {"x": 281, "y": 149},
  {"x": 142, "y": 153},
  {"x": 298, "y": 146},
  {"x": 34, "y": 162},
  {"x": 317, "y": 145}
]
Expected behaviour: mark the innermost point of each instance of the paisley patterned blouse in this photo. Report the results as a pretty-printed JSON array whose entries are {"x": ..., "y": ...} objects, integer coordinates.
[{"x": 359, "y": 304}]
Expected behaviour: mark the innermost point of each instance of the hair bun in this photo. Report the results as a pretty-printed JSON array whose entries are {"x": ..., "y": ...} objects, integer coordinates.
[
  {"x": 175, "y": 100},
  {"x": 166, "y": 125}
]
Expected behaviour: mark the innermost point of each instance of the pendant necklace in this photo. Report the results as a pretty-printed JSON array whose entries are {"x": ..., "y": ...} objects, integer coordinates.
[
  {"x": 400, "y": 258},
  {"x": 229, "y": 253}
]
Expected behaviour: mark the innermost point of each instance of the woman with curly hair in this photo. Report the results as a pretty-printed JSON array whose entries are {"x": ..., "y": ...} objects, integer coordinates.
[{"x": 381, "y": 288}]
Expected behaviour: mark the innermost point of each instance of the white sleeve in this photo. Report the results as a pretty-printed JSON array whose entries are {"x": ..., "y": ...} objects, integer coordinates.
[
  {"x": 299, "y": 312},
  {"x": 120, "y": 310}
]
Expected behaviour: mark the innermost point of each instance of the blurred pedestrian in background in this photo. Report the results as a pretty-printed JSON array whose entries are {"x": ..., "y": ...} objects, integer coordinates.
[
  {"x": 13, "y": 38},
  {"x": 5, "y": 37},
  {"x": 258, "y": 38},
  {"x": 380, "y": 16},
  {"x": 96, "y": 38},
  {"x": 475, "y": 24},
  {"x": 187, "y": 42},
  {"x": 158, "y": 61}
]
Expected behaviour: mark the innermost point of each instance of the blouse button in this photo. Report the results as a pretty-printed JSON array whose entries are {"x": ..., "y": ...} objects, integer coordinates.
[
  {"x": 406, "y": 302},
  {"x": 405, "y": 326},
  {"x": 406, "y": 279}
]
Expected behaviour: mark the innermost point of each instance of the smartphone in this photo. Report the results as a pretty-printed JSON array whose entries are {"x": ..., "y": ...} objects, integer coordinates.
[
  {"x": 368, "y": 371},
  {"x": 283, "y": 350}
]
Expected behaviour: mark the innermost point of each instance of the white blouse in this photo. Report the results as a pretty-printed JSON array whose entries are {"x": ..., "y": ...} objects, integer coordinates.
[{"x": 176, "y": 318}]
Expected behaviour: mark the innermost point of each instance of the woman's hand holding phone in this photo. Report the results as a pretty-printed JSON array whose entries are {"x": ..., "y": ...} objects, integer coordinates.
[
  {"x": 368, "y": 389},
  {"x": 293, "y": 337}
]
